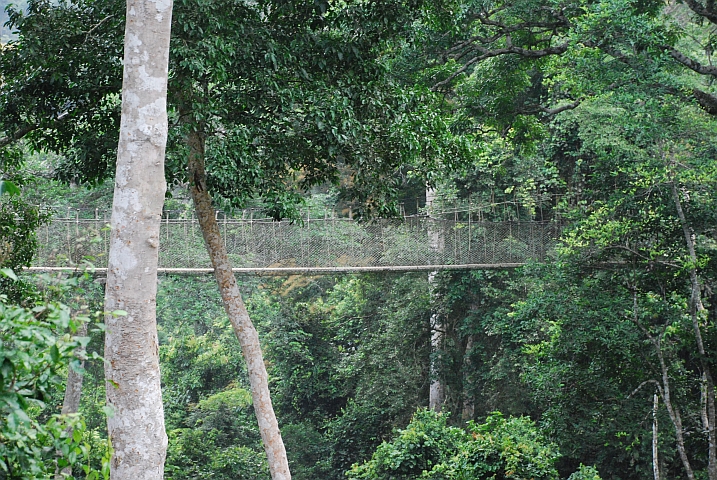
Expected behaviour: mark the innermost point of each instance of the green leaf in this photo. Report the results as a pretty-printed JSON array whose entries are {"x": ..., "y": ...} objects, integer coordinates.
[
  {"x": 8, "y": 187},
  {"x": 19, "y": 416},
  {"x": 8, "y": 273},
  {"x": 55, "y": 353}
]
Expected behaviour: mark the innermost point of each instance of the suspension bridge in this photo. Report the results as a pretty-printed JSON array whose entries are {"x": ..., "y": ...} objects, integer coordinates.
[{"x": 317, "y": 244}]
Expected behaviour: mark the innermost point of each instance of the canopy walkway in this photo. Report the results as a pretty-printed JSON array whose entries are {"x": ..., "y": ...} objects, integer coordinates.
[{"x": 317, "y": 244}]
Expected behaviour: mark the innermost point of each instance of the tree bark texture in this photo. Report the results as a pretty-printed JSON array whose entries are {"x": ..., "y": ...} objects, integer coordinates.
[
  {"x": 236, "y": 311},
  {"x": 136, "y": 429},
  {"x": 436, "y": 394}
]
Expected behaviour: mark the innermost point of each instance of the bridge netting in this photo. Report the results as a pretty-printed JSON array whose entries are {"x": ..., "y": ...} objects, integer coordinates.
[{"x": 412, "y": 242}]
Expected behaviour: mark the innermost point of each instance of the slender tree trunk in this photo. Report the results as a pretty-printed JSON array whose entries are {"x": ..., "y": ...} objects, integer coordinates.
[
  {"x": 436, "y": 394},
  {"x": 697, "y": 310},
  {"x": 675, "y": 416},
  {"x": 234, "y": 306},
  {"x": 73, "y": 394},
  {"x": 468, "y": 394},
  {"x": 703, "y": 402},
  {"x": 73, "y": 390},
  {"x": 134, "y": 393},
  {"x": 655, "y": 458}
]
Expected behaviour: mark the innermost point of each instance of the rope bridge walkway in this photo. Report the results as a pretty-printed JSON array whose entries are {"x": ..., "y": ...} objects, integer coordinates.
[{"x": 315, "y": 245}]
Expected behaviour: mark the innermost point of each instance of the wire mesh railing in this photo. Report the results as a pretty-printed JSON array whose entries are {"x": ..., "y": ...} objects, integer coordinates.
[{"x": 325, "y": 242}]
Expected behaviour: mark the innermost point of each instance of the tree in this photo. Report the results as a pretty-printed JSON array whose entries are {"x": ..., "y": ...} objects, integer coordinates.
[
  {"x": 238, "y": 315},
  {"x": 510, "y": 67},
  {"x": 136, "y": 430},
  {"x": 626, "y": 282},
  {"x": 296, "y": 129},
  {"x": 271, "y": 99},
  {"x": 524, "y": 38}
]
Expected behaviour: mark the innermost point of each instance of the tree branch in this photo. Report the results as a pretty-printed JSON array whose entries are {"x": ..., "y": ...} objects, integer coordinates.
[
  {"x": 17, "y": 135},
  {"x": 485, "y": 20},
  {"x": 707, "y": 101},
  {"x": 692, "y": 64},
  {"x": 659, "y": 387},
  {"x": 532, "y": 109},
  {"x": 509, "y": 50},
  {"x": 95, "y": 27},
  {"x": 707, "y": 11}
]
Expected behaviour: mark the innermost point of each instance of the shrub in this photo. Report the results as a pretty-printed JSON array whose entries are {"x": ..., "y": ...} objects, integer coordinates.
[
  {"x": 429, "y": 448},
  {"x": 585, "y": 473},
  {"x": 511, "y": 448},
  {"x": 426, "y": 442}
]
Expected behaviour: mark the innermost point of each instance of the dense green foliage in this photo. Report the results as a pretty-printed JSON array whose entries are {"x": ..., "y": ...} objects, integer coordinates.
[
  {"x": 36, "y": 345},
  {"x": 18, "y": 221},
  {"x": 429, "y": 448},
  {"x": 210, "y": 422},
  {"x": 284, "y": 97},
  {"x": 598, "y": 116}
]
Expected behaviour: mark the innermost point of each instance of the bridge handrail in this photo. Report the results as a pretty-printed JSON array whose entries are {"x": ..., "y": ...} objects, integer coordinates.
[{"x": 321, "y": 242}]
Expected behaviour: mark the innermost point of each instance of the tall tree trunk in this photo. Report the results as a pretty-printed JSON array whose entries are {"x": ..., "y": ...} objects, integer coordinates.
[
  {"x": 675, "y": 416},
  {"x": 136, "y": 429},
  {"x": 436, "y": 394},
  {"x": 238, "y": 316},
  {"x": 73, "y": 394},
  {"x": 73, "y": 390},
  {"x": 655, "y": 458},
  {"x": 697, "y": 310},
  {"x": 468, "y": 386}
]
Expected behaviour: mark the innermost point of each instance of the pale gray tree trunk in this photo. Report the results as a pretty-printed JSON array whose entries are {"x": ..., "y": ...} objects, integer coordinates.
[
  {"x": 236, "y": 311},
  {"x": 134, "y": 393},
  {"x": 436, "y": 394},
  {"x": 73, "y": 389},
  {"x": 73, "y": 394},
  {"x": 655, "y": 459},
  {"x": 468, "y": 393}
]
